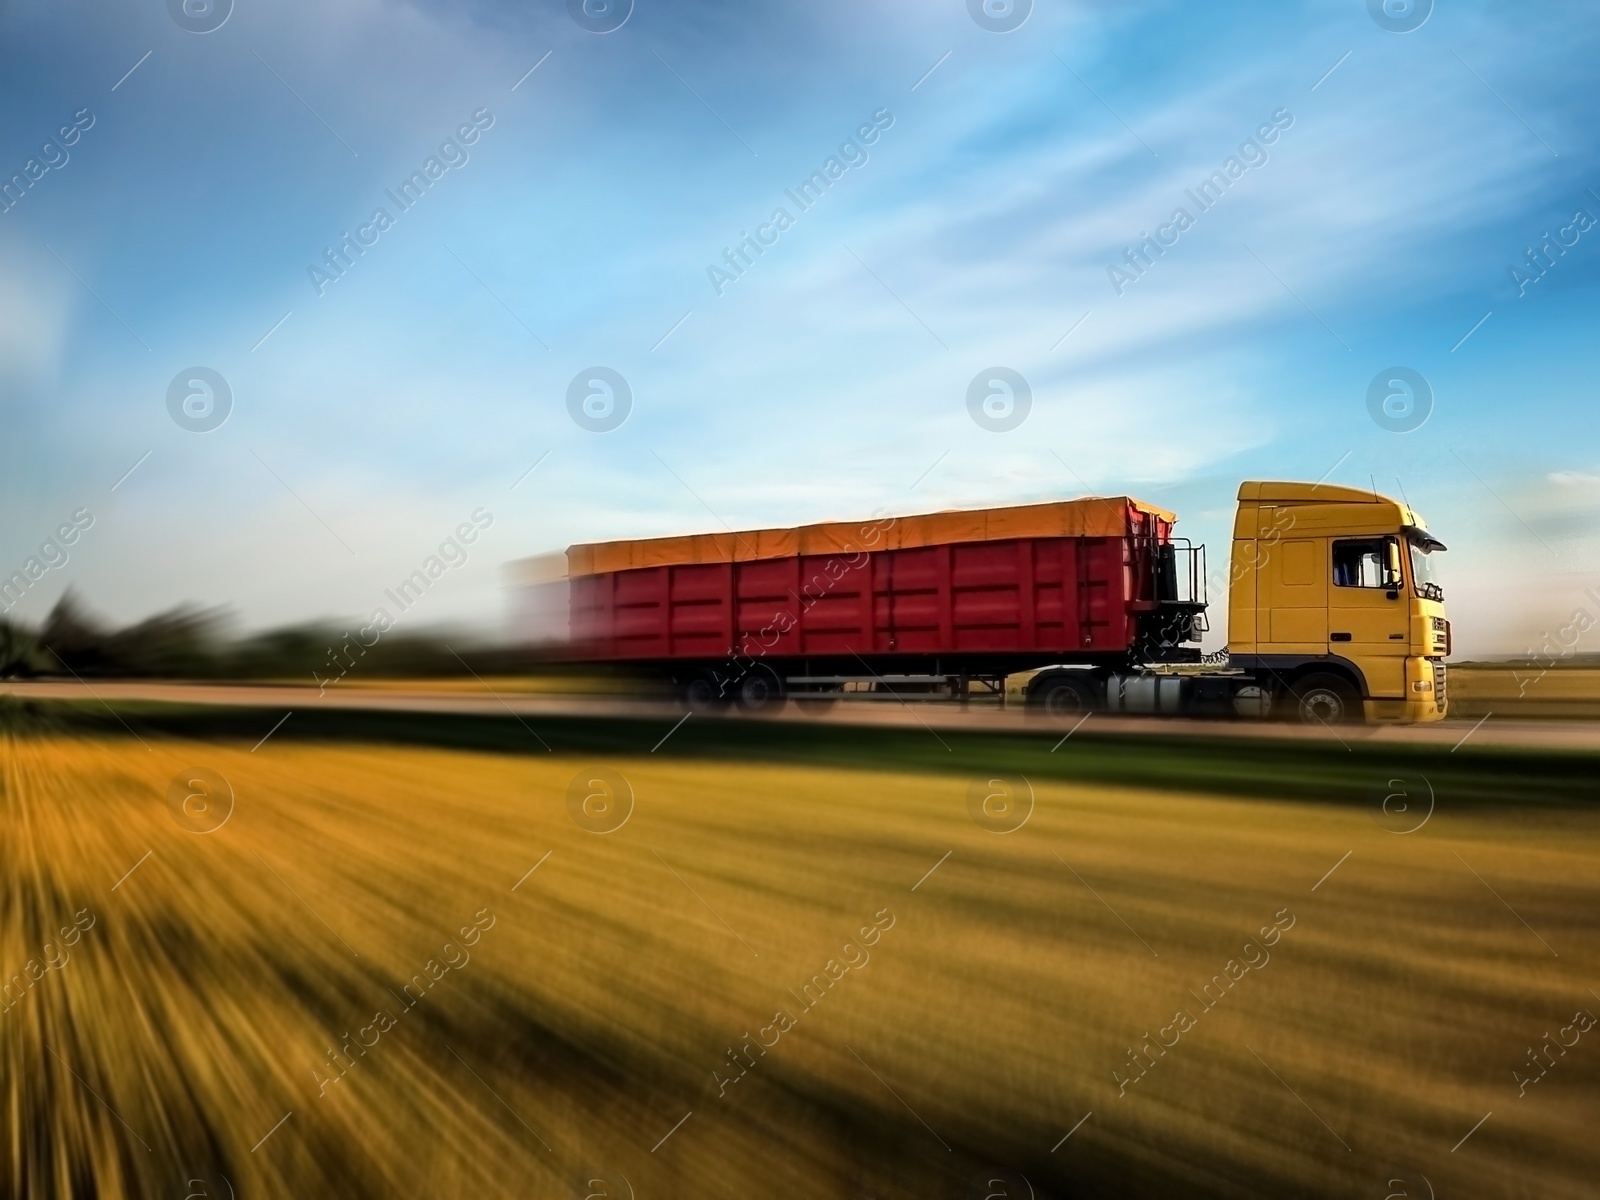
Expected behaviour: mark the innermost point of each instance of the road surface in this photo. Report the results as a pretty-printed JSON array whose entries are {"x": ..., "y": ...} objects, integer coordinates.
[{"x": 487, "y": 700}]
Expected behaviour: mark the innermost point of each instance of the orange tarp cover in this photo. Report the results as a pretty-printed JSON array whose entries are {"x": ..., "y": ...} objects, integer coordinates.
[{"x": 1096, "y": 516}]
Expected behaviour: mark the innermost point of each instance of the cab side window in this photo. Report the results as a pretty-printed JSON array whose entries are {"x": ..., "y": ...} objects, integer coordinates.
[{"x": 1364, "y": 563}]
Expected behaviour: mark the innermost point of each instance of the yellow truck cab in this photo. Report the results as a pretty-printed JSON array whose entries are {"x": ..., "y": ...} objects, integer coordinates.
[{"x": 1332, "y": 600}]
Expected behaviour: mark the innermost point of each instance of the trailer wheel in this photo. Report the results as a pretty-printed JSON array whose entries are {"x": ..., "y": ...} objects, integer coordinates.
[
  {"x": 702, "y": 692},
  {"x": 760, "y": 690},
  {"x": 1324, "y": 700},
  {"x": 1066, "y": 694}
]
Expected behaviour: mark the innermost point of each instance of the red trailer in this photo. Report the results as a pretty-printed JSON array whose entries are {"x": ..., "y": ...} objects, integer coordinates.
[{"x": 950, "y": 597}]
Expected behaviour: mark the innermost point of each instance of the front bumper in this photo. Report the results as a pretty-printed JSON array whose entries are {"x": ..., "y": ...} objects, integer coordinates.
[{"x": 1426, "y": 698}]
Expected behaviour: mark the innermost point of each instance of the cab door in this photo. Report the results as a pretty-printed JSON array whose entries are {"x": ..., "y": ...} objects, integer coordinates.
[
  {"x": 1367, "y": 618},
  {"x": 1292, "y": 578}
]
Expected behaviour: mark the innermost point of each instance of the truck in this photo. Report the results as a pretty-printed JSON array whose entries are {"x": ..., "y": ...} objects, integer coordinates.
[{"x": 1334, "y": 612}]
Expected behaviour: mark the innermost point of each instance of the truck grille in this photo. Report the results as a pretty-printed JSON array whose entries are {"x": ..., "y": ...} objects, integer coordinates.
[
  {"x": 1441, "y": 633},
  {"x": 1438, "y": 682}
]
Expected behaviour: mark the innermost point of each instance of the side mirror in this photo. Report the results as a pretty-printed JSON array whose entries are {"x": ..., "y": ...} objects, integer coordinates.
[
  {"x": 1392, "y": 574},
  {"x": 1393, "y": 593}
]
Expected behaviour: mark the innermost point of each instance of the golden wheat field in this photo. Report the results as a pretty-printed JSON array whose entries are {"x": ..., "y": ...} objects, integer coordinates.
[
  {"x": 401, "y": 971},
  {"x": 1531, "y": 691}
]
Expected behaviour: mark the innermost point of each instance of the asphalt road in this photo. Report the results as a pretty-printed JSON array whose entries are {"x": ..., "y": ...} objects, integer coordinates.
[{"x": 1495, "y": 729}]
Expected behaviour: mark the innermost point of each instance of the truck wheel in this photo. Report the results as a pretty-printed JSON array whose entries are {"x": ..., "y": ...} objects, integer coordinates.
[
  {"x": 1324, "y": 700},
  {"x": 760, "y": 690},
  {"x": 1067, "y": 694},
  {"x": 702, "y": 692}
]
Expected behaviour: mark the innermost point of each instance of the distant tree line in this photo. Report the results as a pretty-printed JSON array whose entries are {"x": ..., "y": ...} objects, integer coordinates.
[{"x": 193, "y": 642}]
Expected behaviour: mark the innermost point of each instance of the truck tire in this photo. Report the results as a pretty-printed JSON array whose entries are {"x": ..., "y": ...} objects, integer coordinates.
[
  {"x": 1324, "y": 699},
  {"x": 1067, "y": 694},
  {"x": 702, "y": 692},
  {"x": 761, "y": 690}
]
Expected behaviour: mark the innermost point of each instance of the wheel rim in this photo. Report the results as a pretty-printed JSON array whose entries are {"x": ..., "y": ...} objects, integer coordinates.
[
  {"x": 1322, "y": 705},
  {"x": 1064, "y": 702}
]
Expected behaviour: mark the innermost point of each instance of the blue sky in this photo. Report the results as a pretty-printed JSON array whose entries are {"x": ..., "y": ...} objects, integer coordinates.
[{"x": 831, "y": 378}]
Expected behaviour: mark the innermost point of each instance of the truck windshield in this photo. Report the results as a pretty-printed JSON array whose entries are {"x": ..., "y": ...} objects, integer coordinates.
[{"x": 1423, "y": 572}]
